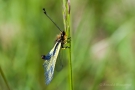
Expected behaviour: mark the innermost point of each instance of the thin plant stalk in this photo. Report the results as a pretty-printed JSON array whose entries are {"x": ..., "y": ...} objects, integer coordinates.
[
  {"x": 4, "y": 78},
  {"x": 66, "y": 18}
]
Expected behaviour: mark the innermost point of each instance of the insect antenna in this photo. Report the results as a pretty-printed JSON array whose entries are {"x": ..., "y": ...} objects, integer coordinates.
[{"x": 51, "y": 19}]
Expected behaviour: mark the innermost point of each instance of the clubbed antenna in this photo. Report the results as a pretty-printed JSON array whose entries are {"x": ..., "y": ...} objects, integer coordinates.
[{"x": 51, "y": 19}]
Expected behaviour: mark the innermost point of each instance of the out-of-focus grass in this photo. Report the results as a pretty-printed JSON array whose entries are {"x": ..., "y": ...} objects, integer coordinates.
[
  {"x": 103, "y": 45},
  {"x": 103, "y": 49}
]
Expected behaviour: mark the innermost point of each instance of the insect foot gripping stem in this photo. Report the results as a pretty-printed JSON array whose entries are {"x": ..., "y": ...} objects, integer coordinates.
[
  {"x": 65, "y": 47},
  {"x": 68, "y": 39}
]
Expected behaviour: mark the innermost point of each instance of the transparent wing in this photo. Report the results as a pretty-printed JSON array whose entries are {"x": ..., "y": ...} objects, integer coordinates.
[
  {"x": 60, "y": 61},
  {"x": 50, "y": 60}
]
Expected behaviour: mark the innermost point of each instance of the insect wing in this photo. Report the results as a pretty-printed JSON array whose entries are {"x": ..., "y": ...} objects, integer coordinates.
[
  {"x": 60, "y": 63},
  {"x": 49, "y": 63}
]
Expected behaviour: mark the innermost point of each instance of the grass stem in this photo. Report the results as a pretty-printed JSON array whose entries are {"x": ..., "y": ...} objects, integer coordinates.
[
  {"x": 66, "y": 18},
  {"x": 3, "y": 76}
]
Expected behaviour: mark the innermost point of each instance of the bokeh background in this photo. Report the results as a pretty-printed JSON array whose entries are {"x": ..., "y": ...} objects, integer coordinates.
[{"x": 103, "y": 44}]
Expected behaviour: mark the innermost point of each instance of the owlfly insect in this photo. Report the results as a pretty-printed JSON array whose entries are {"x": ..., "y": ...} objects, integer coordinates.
[{"x": 51, "y": 57}]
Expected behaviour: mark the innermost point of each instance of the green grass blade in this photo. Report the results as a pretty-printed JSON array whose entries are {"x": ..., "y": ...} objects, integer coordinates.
[
  {"x": 66, "y": 18},
  {"x": 3, "y": 76}
]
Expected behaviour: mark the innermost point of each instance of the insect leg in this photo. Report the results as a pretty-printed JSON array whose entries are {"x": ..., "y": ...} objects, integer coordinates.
[
  {"x": 68, "y": 39},
  {"x": 64, "y": 47}
]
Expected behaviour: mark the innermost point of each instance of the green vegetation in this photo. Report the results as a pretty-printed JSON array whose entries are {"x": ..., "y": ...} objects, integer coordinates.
[
  {"x": 103, "y": 44},
  {"x": 66, "y": 20}
]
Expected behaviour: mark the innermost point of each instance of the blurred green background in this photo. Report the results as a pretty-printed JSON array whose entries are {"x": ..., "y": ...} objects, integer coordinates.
[{"x": 103, "y": 44}]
